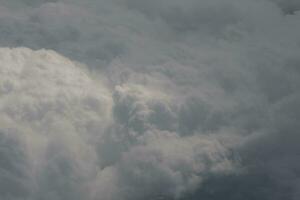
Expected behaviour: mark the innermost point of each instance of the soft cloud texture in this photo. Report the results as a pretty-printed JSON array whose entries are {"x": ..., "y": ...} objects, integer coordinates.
[
  {"x": 195, "y": 99},
  {"x": 67, "y": 136}
]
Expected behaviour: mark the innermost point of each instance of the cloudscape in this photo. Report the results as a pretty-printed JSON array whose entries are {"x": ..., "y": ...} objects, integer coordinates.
[{"x": 149, "y": 99}]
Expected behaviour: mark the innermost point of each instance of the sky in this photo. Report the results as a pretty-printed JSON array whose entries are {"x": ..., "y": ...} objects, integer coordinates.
[{"x": 149, "y": 100}]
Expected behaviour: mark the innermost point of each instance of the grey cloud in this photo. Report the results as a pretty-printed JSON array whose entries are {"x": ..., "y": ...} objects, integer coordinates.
[
  {"x": 74, "y": 130},
  {"x": 13, "y": 167},
  {"x": 289, "y": 6},
  {"x": 180, "y": 99}
]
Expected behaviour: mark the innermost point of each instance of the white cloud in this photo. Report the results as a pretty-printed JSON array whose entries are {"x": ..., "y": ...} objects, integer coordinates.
[{"x": 57, "y": 128}]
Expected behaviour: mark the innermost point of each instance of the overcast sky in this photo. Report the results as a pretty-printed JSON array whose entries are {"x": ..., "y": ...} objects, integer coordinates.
[{"x": 149, "y": 99}]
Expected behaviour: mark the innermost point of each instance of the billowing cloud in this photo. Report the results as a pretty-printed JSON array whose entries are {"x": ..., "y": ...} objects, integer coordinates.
[
  {"x": 65, "y": 135},
  {"x": 169, "y": 99}
]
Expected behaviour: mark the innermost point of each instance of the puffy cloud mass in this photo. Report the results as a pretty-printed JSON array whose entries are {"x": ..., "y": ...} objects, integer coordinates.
[
  {"x": 66, "y": 135},
  {"x": 137, "y": 99}
]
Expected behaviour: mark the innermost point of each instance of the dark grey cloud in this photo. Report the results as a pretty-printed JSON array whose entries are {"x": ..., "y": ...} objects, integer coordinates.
[
  {"x": 288, "y": 6},
  {"x": 195, "y": 99}
]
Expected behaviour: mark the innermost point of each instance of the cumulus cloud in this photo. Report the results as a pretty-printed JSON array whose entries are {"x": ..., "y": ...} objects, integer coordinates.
[
  {"x": 145, "y": 99},
  {"x": 50, "y": 110},
  {"x": 68, "y": 136}
]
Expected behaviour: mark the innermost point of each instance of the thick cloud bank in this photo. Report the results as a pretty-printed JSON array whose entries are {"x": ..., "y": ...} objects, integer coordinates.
[
  {"x": 162, "y": 99},
  {"x": 67, "y": 136}
]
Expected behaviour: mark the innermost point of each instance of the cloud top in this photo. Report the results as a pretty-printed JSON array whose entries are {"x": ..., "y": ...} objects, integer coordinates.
[{"x": 195, "y": 99}]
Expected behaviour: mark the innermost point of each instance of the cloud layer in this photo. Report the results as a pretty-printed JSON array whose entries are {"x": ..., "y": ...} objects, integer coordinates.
[
  {"x": 173, "y": 99},
  {"x": 68, "y": 136}
]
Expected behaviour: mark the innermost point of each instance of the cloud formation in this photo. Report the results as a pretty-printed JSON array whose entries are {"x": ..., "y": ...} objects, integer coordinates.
[
  {"x": 67, "y": 136},
  {"x": 157, "y": 99}
]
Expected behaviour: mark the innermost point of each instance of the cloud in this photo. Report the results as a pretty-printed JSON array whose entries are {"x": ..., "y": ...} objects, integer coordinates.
[
  {"x": 174, "y": 99},
  {"x": 289, "y": 6},
  {"x": 68, "y": 136},
  {"x": 50, "y": 110}
]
